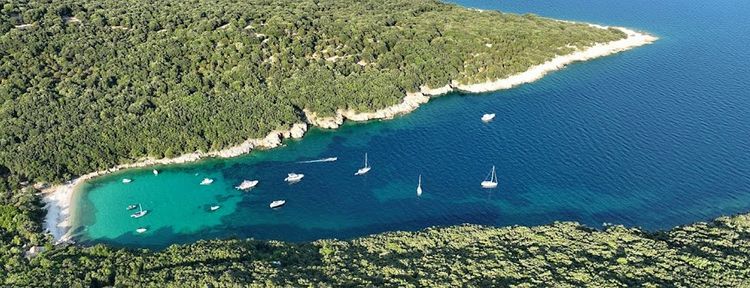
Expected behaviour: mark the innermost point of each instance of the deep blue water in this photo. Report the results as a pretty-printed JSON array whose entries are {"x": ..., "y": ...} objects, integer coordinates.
[{"x": 653, "y": 137}]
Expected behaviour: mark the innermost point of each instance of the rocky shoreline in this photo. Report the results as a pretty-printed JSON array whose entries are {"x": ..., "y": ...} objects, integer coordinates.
[{"x": 59, "y": 198}]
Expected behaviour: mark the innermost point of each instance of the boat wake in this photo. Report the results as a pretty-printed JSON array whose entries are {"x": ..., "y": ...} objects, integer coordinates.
[{"x": 330, "y": 159}]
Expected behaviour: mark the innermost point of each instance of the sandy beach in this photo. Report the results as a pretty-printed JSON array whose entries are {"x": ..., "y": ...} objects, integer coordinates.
[{"x": 59, "y": 199}]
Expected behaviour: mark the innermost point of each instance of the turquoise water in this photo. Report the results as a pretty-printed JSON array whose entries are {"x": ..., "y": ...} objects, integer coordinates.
[{"x": 653, "y": 137}]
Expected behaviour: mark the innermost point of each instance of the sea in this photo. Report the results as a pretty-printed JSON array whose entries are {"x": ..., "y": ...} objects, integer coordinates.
[{"x": 654, "y": 137}]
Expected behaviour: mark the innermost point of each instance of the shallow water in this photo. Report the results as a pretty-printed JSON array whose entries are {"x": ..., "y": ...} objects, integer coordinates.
[{"x": 653, "y": 137}]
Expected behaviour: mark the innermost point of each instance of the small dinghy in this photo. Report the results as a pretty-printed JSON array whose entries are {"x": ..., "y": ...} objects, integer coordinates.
[
  {"x": 141, "y": 230},
  {"x": 215, "y": 207},
  {"x": 488, "y": 117},
  {"x": 293, "y": 177},
  {"x": 132, "y": 206},
  {"x": 156, "y": 172},
  {"x": 127, "y": 180},
  {"x": 277, "y": 203},
  {"x": 247, "y": 184},
  {"x": 207, "y": 181}
]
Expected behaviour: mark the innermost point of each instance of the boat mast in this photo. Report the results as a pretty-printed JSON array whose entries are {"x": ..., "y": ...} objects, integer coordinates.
[
  {"x": 366, "y": 159},
  {"x": 494, "y": 175},
  {"x": 419, "y": 187}
]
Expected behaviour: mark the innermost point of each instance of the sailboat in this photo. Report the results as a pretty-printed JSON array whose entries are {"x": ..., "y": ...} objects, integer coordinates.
[
  {"x": 156, "y": 172},
  {"x": 140, "y": 212},
  {"x": 363, "y": 170},
  {"x": 491, "y": 180},
  {"x": 215, "y": 207},
  {"x": 419, "y": 186},
  {"x": 126, "y": 180},
  {"x": 141, "y": 230}
]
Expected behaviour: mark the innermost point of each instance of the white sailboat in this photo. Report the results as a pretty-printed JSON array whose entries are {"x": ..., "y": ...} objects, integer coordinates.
[
  {"x": 293, "y": 177},
  {"x": 419, "y": 186},
  {"x": 491, "y": 180},
  {"x": 365, "y": 169},
  {"x": 156, "y": 172},
  {"x": 141, "y": 230},
  {"x": 247, "y": 184},
  {"x": 488, "y": 117},
  {"x": 277, "y": 203},
  {"x": 127, "y": 180},
  {"x": 215, "y": 207},
  {"x": 207, "y": 181},
  {"x": 140, "y": 212}
]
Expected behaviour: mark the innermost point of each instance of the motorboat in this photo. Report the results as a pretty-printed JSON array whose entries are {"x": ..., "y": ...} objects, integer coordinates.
[
  {"x": 294, "y": 177},
  {"x": 247, "y": 184}
]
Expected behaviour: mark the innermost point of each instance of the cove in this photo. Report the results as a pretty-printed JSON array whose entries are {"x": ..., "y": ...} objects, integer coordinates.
[{"x": 653, "y": 137}]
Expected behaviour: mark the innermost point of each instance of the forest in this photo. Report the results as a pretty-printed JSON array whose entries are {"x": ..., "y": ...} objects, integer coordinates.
[
  {"x": 86, "y": 85},
  {"x": 562, "y": 254}
]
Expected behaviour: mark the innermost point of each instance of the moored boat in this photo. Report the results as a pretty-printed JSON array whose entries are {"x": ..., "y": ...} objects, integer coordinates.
[
  {"x": 491, "y": 181},
  {"x": 488, "y": 117},
  {"x": 215, "y": 207},
  {"x": 140, "y": 212},
  {"x": 277, "y": 203},
  {"x": 132, "y": 206},
  {"x": 247, "y": 184},
  {"x": 127, "y": 180},
  {"x": 207, "y": 181},
  {"x": 364, "y": 169},
  {"x": 156, "y": 172},
  {"x": 294, "y": 177},
  {"x": 141, "y": 230}
]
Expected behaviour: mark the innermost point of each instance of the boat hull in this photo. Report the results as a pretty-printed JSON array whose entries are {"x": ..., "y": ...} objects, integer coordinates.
[
  {"x": 139, "y": 215},
  {"x": 247, "y": 185},
  {"x": 362, "y": 171},
  {"x": 489, "y": 185},
  {"x": 294, "y": 178}
]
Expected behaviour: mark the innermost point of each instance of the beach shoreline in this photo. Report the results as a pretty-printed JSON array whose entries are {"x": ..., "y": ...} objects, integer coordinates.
[{"x": 59, "y": 199}]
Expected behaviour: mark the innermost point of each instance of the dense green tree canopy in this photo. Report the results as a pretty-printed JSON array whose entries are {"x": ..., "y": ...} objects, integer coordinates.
[{"x": 86, "y": 85}]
